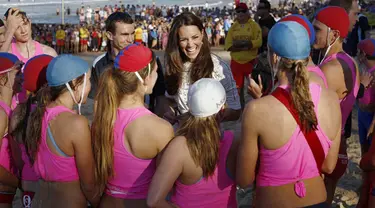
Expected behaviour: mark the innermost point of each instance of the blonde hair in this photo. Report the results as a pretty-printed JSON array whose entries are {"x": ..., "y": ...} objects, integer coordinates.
[
  {"x": 300, "y": 92},
  {"x": 113, "y": 85}
]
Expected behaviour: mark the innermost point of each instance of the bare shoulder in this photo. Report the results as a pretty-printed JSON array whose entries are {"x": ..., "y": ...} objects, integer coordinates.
[
  {"x": 331, "y": 65},
  {"x": 153, "y": 125},
  {"x": 74, "y": 124},
  {"x": 48, "y": 50},
  {"x": 257, "y": 106},
  {"x": 178, "y": 144}
]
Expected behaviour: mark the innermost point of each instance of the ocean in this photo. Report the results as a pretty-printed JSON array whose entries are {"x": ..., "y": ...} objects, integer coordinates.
[{"x": 44, "y": 11}]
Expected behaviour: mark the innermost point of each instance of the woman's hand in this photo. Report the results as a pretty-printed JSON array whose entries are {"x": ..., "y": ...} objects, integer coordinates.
[{"x": 254, "y": 89}]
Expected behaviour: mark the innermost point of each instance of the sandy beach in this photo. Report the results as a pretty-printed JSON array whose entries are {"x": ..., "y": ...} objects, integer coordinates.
[{"x": 347, "y": 193}]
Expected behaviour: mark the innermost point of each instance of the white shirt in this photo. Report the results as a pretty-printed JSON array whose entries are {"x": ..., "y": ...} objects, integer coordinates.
[
  {"x": 89, "y": 12},
  {"x": 222, "y": 73}
]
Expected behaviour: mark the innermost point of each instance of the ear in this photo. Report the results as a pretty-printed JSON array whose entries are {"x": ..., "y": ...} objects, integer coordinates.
[
  {"x": 109, "y": 35},
  {"x": 335, "y": 35}
]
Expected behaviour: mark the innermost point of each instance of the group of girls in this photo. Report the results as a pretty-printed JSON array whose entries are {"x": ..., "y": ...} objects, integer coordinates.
[{"x": 132, "y": 158}]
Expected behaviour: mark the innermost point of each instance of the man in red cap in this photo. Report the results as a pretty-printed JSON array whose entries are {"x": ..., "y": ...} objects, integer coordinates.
[
  {"x": 331, "y": 25},
  {"x": 243, "y": 41}
]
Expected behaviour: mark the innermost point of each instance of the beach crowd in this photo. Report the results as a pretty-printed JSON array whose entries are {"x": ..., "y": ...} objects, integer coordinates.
[{"x": 307, "y": 66}]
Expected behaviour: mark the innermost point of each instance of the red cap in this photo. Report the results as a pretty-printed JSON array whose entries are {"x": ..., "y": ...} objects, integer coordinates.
[
  {"x": 7, "y": 61},
  {"x": 242, "y": 6},
  {"x": 35, "y": 72},
  {"x": 133, "y": 58},
  {"x": 367, "y": 46},
  {"x": 335, "y": 18}
]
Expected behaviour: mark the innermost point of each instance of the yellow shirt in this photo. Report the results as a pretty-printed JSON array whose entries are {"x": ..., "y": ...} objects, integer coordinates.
[
  {"x": 250, "y": 31},
  {"x": 138, "y": 33},
  {"x": 83, "y": 33},
  {"x": 60, "y": 35}
]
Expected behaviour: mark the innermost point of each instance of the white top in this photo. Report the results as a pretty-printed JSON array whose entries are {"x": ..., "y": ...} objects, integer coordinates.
[{"x": 221, "y": 73}]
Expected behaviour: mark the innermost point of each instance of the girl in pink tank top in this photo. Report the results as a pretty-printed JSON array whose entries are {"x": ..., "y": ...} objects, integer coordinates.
[
  {"x": 34, "y": 79},
  {"x": 9, "y": 182},
  {"x": 198, "y": 165},
  {"x": 58, "y": 140},
  {"x": 127, "y": 136},
  {"x": 279, "y": 134}
]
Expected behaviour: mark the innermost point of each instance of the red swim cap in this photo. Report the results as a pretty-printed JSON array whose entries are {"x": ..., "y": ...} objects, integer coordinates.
[
  {"x": 7, "y": 61},
  {"x": 133, "y": 58},
  {"x": 367, "y": 46},
  {"x": 335, "y": 18},
  {"x": 35, "y": 72}
]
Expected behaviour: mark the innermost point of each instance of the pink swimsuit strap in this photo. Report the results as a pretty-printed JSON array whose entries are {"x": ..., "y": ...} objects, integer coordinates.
[
  {"x": 318, "y": 72},
  {"x": 48, "y": 165},
  {"x": 133, "y": 175},
  {"x": 15, "y": 51},
  {"x": 220, "y": 187}
]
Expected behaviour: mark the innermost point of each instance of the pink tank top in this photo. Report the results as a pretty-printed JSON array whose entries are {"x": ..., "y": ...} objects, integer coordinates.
[
  {"x": 22, "y": 96},
  {"x": 369, "y": 94},
  {"x": 49, "y": 166},
  {"x": 318, "y": 72},
  {"x": 294, "y": 161},
  {"x": 28, "y": 173},
  {"x": 132, "y": 175},
  {"x": 216, "y": 191},
  {"x": 347, "y": 103},
  {"x": 5, "y": 155},
  {"x": 15, "y": 51}
]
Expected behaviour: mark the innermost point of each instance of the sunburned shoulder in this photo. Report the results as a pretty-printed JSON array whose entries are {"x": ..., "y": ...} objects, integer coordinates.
[{"x": 48, "y": 50}]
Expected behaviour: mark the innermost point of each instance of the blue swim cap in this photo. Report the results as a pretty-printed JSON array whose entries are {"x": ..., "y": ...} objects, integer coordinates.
[
  {"x": 64, "y": 68},
  {"x": 289, "y": 40}
]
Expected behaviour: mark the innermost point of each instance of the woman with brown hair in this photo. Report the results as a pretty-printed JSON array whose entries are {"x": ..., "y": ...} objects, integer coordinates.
[
  {"x": 34, "y": 79},
  {"x": 199, "y": 164},
  {"x": 9, "y": 68},
  {"x": 188, "y": 59},
  {"x": 305, "y": 135},
  {"x": 58, "y": 140},
  {"x": 127, "y": 136}
]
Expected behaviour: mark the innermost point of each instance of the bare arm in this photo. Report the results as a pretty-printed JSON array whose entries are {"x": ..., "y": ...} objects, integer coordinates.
[
  {"x": 329, "y": 163},
  {"x": 84, "y": 158},
  {"x": 167, "y": 172},
  {"x": 334, "y": 75},
  {"x": 248, "y": 149}
]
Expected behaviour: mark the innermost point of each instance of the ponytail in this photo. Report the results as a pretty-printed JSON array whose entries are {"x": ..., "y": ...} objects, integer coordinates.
[
  {"x": 114, "y": 84},
  {"x": 203, "y": 141},
  {"x": 103, "y": 125},
  {"x": 300, "y": 94},
  {"x": 34, "y": 124}
]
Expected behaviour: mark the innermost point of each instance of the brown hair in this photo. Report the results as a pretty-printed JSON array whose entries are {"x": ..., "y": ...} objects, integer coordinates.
[
  {"x": 203, "y": 140},
  {"x": 113, "y": 85},
  {"x": 300, "y": 92},
  {"x": 44, "y": 97},
  {"x": 202, "y": 67},
  {"x": 345, "y": 4}
]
